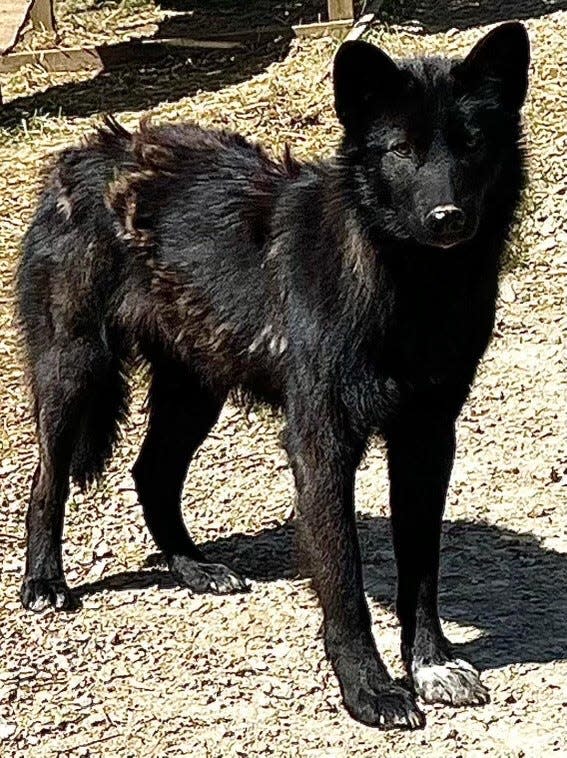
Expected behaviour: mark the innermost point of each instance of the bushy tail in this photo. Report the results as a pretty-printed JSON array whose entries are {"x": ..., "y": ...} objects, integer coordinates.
[
  {"x": 105, "y": 407},
  {"x": 67, "y": 281}
]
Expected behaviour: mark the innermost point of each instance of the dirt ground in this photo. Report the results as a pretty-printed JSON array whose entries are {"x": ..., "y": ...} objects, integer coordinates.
[{"x": 144, "y": 669}]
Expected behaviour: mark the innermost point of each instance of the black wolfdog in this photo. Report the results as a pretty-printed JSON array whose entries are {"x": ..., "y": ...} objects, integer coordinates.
[{"x": 358, "y": 293}]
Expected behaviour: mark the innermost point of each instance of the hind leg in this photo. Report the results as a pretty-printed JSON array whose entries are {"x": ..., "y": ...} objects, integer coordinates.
[
  {"x": 60, "y": 394},
  {"x": 182, "y": 413}
]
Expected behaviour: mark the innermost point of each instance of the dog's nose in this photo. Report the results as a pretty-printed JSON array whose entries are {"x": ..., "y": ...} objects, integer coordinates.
[{"x": 445, "y": 221}]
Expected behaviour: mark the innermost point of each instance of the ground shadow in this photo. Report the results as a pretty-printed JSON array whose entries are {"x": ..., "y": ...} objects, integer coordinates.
[
  {"x": 153, "y": 78},
  {"x": 503, "y": 583},
  {"x": 228, "y": 15},
  {"x": 262, "y": 28},
  {"x": 433, "y": 16}
]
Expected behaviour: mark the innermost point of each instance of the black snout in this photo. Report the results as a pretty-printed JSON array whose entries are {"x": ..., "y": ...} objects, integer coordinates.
[{"x": 445, "y": 225}]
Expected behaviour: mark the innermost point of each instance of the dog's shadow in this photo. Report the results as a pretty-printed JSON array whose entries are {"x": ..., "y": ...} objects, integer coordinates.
[{"x": 505, "y": 584}]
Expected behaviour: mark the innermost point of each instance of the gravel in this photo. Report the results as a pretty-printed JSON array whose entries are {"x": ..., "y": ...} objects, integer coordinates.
[{"x": 144, "y": 669}]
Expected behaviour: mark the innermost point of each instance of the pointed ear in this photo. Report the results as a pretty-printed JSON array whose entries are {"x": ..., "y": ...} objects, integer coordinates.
[
  {"x": 502, "y": 58},
  {"x": 363, "y": 75}
]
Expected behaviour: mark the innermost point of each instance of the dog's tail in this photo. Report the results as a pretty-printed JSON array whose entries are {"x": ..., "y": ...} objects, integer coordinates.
[
  {"x": 68, "y": 280},
  {"x": 103, "y": 412}
]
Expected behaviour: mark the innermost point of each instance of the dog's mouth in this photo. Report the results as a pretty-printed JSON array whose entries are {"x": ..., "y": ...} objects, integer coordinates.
[
  {"x": 447, "y": 243},
  {"x": 449, "y": 240}
]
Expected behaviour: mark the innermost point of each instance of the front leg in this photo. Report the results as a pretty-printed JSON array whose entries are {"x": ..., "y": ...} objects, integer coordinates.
[
  {"x": 324, "y": 458},
  {"x": 420, "y": 453}
]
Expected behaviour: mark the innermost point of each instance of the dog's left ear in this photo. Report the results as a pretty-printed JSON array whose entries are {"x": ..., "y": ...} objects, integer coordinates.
[{"x": 501, "y": 58}]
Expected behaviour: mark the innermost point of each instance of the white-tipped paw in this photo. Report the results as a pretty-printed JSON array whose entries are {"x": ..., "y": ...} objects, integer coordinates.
[
  {"x": 200, "y": 577},
  {"x": 455, "y": 682},
  {"x": 39, "y": 595}
]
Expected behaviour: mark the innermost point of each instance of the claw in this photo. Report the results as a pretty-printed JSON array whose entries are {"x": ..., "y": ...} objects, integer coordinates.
[
  {"x": 38, "y": 595},
  {"x": 386, "y": 707}
]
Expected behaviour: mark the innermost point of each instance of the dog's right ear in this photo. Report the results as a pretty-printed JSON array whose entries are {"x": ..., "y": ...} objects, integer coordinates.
[{"x": 363, "y": 76}]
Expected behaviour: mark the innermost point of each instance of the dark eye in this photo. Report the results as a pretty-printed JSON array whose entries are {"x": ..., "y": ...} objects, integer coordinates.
[
  {"x": 473, "y": 140},
  {"x": 402, "y": 148}
]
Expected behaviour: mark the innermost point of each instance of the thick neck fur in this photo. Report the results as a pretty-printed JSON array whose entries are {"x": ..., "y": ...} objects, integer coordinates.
[{"x": 418, "y": 310}]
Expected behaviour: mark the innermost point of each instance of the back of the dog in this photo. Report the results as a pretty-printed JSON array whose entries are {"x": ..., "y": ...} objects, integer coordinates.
[
  {"x": 153, "y": 238},
  {"x": 157, "y": 233}
]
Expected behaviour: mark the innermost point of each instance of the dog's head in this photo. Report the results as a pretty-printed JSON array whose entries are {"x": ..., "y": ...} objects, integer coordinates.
[{"x": 425, "y": 139}]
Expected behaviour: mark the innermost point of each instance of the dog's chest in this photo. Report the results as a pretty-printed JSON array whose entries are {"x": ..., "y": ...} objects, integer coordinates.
[
  {"x": 424, "y": 350},
  {"x": 432, "y": 333}
]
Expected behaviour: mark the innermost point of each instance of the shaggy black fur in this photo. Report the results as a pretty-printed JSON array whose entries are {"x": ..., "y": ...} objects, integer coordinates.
[{"x": 357, "y": 293}]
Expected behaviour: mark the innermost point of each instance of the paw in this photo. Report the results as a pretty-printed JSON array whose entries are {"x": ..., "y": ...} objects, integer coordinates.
[
  {"x": 388, "y": 706},
  {"x": 40, "y": 594},
  {"x": 455, "y": 682},
  {"x": 202, "y": 577}
]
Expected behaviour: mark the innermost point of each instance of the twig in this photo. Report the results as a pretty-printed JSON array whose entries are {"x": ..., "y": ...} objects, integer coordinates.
[
  {"x": 359, "y": 27},
  {"x": 86, "y": 744}
]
